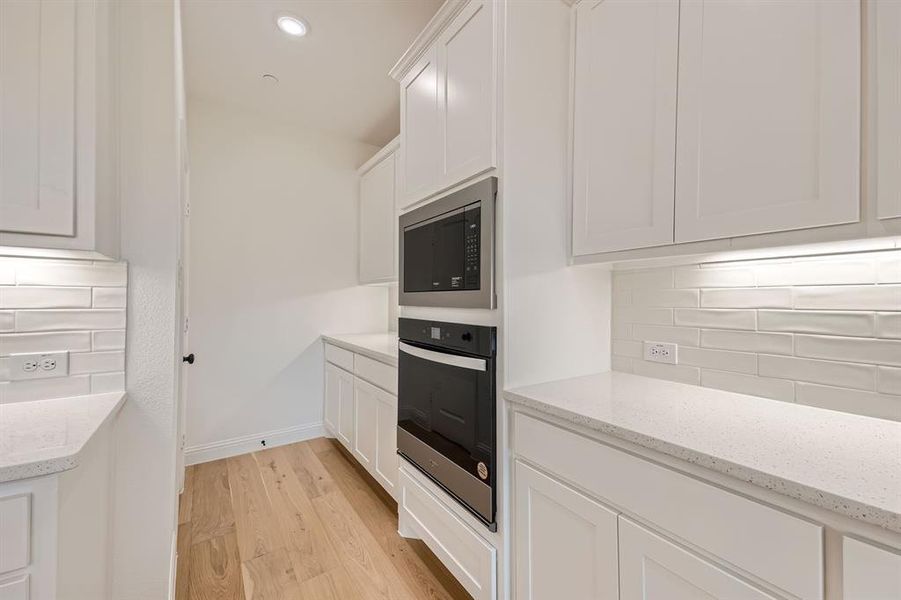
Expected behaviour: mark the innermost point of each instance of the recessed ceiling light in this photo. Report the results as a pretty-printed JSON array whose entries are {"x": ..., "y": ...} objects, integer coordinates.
[
  {"x": 270, "y": 78},
  {"x": 293, "y": 26}
]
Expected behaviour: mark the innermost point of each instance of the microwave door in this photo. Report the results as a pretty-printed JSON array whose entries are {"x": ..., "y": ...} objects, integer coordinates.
[
  {"x": 449, "y": 256},
  {"x": 419, "y": 255}
]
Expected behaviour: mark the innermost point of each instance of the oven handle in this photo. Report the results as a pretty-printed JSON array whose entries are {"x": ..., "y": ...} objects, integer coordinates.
[{"x": 464, "y": 362}]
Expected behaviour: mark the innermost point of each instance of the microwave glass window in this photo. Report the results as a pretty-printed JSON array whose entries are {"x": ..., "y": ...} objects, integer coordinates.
[{"x": 443, "y": 255}]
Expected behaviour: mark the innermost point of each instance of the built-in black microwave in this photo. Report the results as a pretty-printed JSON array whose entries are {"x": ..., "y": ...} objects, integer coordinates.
[{"x": 447, "y": 250}]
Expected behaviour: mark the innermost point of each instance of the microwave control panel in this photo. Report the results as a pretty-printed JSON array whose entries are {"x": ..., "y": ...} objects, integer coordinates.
[{"x": 472, "y": 237}]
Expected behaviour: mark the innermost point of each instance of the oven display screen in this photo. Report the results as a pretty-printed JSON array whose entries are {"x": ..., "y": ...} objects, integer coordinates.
[{"x": 436, "y": 333}]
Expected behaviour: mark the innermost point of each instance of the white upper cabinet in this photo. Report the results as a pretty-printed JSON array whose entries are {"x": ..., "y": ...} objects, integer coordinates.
[
  {"x": 37, "y": 116},
  {"x": 625, "y": 114},
  {"x": 378, "y": 218},
  {"x": 57, "y": 148},
  {"x": 448, "y": 101},
  {"x": 420, "y": 128},
  {"x": 768, "y": 118},
  {"x": 466, "y": 56},
  {"x": 886, "y": 16}
]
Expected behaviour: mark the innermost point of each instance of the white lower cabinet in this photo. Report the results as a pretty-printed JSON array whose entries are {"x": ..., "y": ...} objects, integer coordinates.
[
  {"x": 565, "y": 542},
  {"x": 465, "y": 553},
  {"x": 360, "y": 410},
  {"x": 14, "y": 589},
  {"x": 365, "y": 430},
  {"x": 653, "y": 568},
  {"x": 870, "y": 573}
]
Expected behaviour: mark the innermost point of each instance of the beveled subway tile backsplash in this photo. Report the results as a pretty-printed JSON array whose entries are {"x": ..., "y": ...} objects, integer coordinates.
[
  {"x": 55, "y": 306},
  {"x": 822, "y": 331}
]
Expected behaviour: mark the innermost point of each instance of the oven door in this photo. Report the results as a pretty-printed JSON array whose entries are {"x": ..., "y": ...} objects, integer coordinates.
[{"x": 446, "y": 422}]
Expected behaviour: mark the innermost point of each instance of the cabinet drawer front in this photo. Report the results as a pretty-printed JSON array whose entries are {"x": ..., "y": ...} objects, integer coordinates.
[
  {"x": 380, "y": 374},
  {"x": 470, "y": 558},
  {"x": 15, "y": 589},
  {"x": 15, "y": 532},
  {"x": 870, "y": 573},
  {"x": 339, "y": 356},
  {"x": 781, "y": 549}
]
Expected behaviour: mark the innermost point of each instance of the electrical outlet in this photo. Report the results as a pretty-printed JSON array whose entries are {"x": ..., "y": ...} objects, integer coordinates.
[
  {"x": 36, "y": 366},
  {"x": 661, "y": 352}
]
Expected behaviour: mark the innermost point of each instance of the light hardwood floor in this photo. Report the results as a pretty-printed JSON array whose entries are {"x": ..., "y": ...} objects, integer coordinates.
[{"x": 299, "y": 521}]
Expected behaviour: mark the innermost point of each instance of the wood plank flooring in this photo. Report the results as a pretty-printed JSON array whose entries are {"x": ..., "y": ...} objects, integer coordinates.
[{"x": 298, "y": 522}]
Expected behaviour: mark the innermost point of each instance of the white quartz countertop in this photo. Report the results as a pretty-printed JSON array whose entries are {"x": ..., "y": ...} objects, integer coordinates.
[
  {"x": 842, "y": 462},
  {"x": 46, "y": 436},
  {"x": 377, "y": 346}
]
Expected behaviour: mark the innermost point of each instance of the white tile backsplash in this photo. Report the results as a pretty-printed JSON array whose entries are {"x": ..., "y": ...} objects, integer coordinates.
[
  {"x": 822, "y": 331},
  {"x": 74, "y": 306}
]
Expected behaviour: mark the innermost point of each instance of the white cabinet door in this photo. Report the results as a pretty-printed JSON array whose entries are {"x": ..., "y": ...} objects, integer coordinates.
[
  {"x": 15, "y": 532},
  {"x": 15, "y": 589},
  {"x": 652, "y": 568},
  {"x": 769, "y": 116},
  {"x": 37, "y": 116},
  {"x": 870, "y": 573},
  {"x": 378, "y": 223},
  {"x": 624, "y": 124},
  {"x": 346, "y": 409},
  {"x": 332, "y": 398},
  {"x": 365, "y": 431},
  {"x": 886, "y": 16},
  {"x": 420, "y": 130},
  {"x": 467, "y": 83},
  {"x": 386, "y": 452},
  {"x": 565, "y": 543}
]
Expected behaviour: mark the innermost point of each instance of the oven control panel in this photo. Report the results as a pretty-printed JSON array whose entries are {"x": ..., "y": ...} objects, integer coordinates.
[{"x": 472, "y": 339}]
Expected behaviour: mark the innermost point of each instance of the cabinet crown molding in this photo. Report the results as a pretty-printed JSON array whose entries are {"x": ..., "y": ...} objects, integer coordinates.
[
  {"x": 425, "y": 39},
  {"x": 379, "y": 156}
]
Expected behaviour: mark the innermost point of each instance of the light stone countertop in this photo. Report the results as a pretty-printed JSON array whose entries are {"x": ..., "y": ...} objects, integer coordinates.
[
  {"x": 43, "y": 437},
  {"x": 845, "y": 463},
  {"x": 377, "y": 346}
]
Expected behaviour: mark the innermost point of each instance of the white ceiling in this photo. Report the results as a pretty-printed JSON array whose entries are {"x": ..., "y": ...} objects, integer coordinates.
[{"x": 335, "y": 79}]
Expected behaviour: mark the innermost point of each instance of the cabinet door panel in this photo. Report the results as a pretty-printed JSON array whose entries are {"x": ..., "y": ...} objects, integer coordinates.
[
  {"x": 420, "y": 129},
  {"x": 652, "y": 568},
  {"x": 887, "y": 17},
  {"x": 386, "y": 453},
  {"x": 565, "y": 542},
  {"x": 870, "y": 573},
  {"x": 332, "y": 398},
  {"x": 467, "y": 73},
  {"x": 769, "y": 116},
  {"x": 365, "y": 419},
  {"x": 378, "y": 223},
  {"x": 625, "y": 124},
  {"x": 346, "y": 409},
  {"x": 15, "y": 589},
  {"x": 37, "y": 116}
]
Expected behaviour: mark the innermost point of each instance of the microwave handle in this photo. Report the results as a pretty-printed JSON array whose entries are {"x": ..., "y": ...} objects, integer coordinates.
[{"x": 464, "y": 362}]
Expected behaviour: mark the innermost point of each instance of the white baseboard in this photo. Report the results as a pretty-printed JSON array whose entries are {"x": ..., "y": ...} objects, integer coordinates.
[{"x": 251, "y": 443}]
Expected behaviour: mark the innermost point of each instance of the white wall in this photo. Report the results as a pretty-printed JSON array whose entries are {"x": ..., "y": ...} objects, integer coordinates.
[
  {"x": 572, "y": 336},
  {"x": 144, "y": 474},
  {"x": 273, "y": 264}
]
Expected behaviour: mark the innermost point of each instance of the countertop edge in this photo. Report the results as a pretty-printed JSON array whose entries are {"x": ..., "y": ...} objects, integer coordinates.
[
  {"x": 59, "y": 464},
  {"x": 848, "y": 507},
  {"x": 364, "y": 350}
]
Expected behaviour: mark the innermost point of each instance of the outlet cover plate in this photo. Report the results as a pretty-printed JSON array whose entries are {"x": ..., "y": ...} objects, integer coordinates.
[
  {"x": 661, "y": 352},
  {"x": 41, "y": 365}
]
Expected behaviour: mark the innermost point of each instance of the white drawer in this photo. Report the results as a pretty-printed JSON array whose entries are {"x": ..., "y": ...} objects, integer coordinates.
[
  {"x": 465, "y": 554},
  {"x": 15, "y": 532},
  {"x": 780, "y": 549},
  {"x": 340, "y": 357},
  {"x": 376, "y": 373},
  {"x": 15, "y": 589}
]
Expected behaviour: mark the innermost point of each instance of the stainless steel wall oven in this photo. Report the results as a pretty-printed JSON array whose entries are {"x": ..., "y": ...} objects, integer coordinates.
[{"x": 447, "y": 409}]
